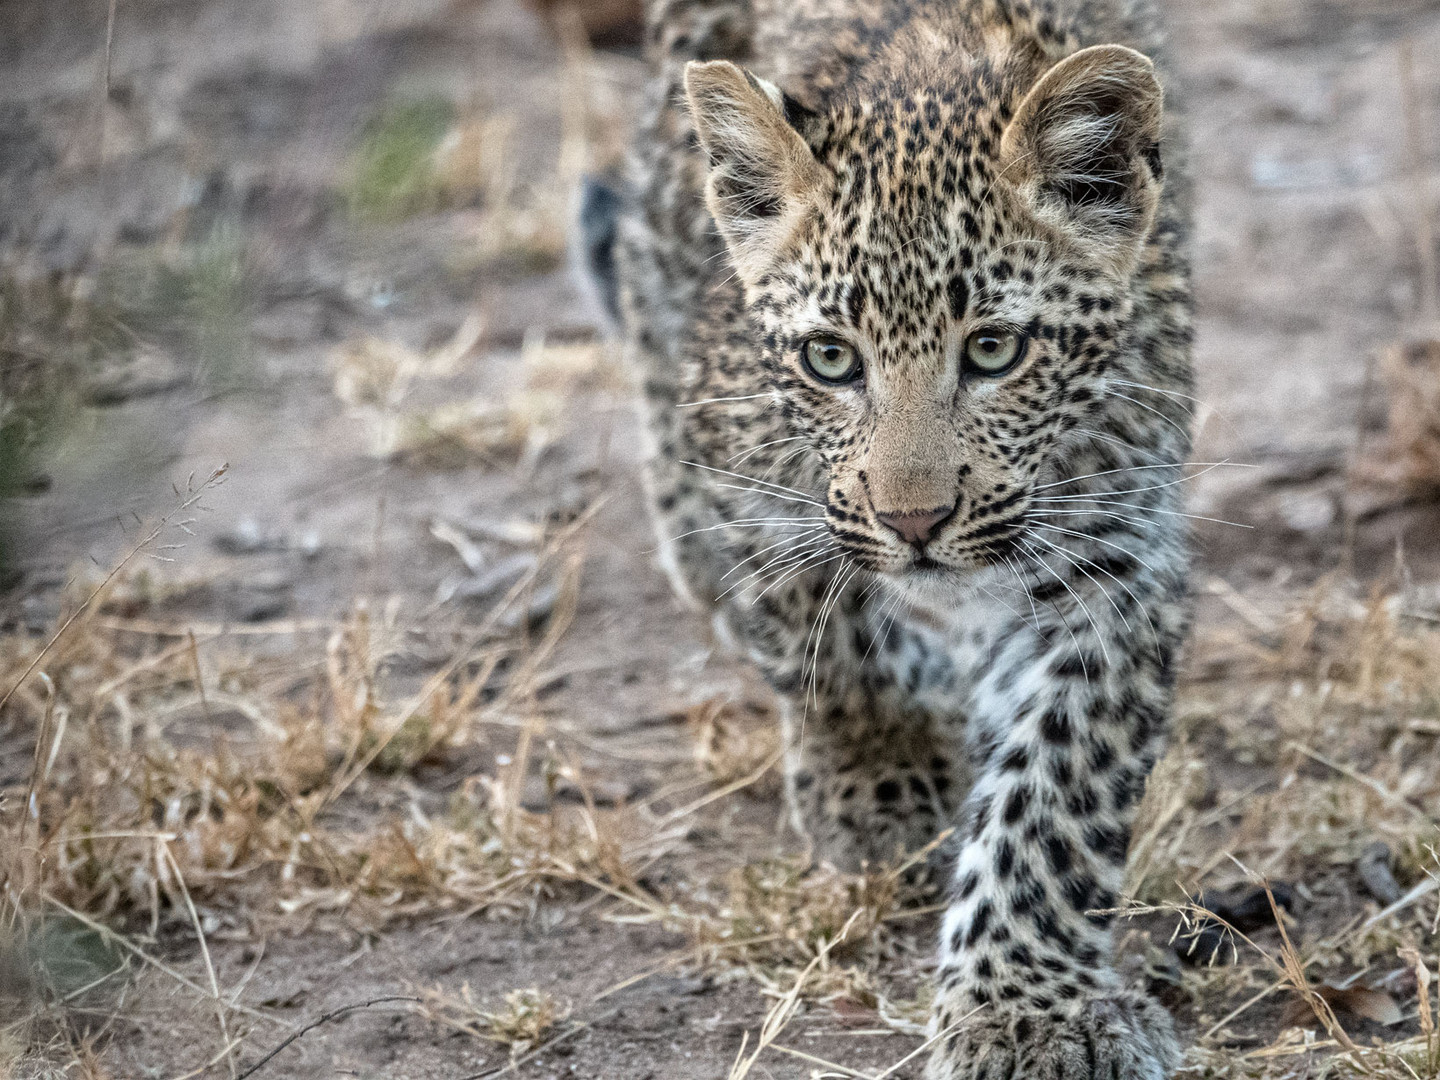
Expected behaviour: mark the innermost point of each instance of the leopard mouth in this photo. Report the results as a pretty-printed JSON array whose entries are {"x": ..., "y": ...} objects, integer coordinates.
[
  {"x": 980, "y": 548},
  {"x": 924, "y": 567},
  {"x": 984, "y": 547}
]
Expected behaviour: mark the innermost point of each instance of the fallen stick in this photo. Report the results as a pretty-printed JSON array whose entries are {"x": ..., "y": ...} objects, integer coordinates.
[{"x": 327, "y": 1018}]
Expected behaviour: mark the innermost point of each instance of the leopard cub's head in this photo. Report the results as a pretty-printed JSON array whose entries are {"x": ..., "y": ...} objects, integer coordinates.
[{"x": 940, "y": 278}]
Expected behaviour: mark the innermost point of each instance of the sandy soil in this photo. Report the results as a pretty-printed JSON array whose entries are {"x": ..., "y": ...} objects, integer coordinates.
[{"x": 227, "y": 113}]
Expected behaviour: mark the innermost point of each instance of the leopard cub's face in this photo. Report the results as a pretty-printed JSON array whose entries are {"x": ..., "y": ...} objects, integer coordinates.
[
  {"x": 933, "y": 374},
  {"x": 939, "y": 290}
]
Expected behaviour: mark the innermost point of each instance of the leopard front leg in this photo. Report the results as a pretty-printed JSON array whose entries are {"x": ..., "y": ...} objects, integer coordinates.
[
  {"x": 866, "y": 782},
  {"x": 875, "y": 763},
  {"x": 1068, "y": 729}
]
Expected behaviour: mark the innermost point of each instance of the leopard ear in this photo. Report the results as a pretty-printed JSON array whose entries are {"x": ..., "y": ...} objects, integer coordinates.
[
  {"x": 762, "y": 172},
  {"x": 1084, "y": 147}
]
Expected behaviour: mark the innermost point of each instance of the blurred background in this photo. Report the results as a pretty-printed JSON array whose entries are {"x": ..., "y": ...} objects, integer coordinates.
[{"x": 334, "y": 662}]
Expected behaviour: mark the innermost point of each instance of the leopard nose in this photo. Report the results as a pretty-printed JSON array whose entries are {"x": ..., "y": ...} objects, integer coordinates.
[{"x": 917, "y": 526}]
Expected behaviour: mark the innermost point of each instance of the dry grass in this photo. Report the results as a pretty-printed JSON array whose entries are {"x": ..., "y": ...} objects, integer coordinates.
[
  {"x": 523, "y": 1019},
  {"x": 139, "y": 791},
  {"x": 174, "y": 771},
  {"x": 1331, "y": 721},
  {"x": 732, "y": 739},
  {"x": 1298, "y": 748},
  {"x": 178, "y": 772},
  {"x": 383, "y": 384},
  {"x": 780, "y": 916}
]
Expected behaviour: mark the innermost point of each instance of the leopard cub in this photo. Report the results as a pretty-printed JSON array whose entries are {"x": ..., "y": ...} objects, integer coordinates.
[{"x": 907, "y": 284}]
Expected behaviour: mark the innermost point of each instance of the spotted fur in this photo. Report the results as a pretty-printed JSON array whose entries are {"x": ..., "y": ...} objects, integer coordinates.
[{"x": 968, "y": 589}]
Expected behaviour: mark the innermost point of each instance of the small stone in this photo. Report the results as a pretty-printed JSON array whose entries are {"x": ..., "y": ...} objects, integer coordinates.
[
  {"x": 248, "y": 537},
  {"x": 1373, "y": 866}
]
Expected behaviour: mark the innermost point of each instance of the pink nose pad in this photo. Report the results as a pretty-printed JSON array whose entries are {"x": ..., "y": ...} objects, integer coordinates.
[{"x": 917, "y": 526}]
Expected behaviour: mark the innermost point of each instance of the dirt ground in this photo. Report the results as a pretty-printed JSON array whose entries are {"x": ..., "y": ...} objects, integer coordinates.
[{"x": 223, "y": 213}]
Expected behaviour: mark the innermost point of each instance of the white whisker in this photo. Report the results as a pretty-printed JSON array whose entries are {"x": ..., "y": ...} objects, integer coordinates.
[
  {"x": 793, "y": 572},
  {"x": 1209, "y": 465},
  {"x": 1034, "y": 613},
  {"x": 735, "y": 459},
  {"x": 790, "y": 540},
  {"x": 1002, "y": 603},
  {"x": 1142, "y": 526},
  {"x": 1137, "y": 509},
  {"x": 890, "y": 609},
  {"x": 1154, "y": 634},
  {"x": 1101, "y": 436},
  {"x": 1099, "y": 540},
  {"x": 1034, "y": 558},
  {"x": 834, "y": 596},
  {"x": 754, "y": 523},
  {"x": 1156, "y": 390},
  {"x": 1100, "y": 637},
  {"x": 719, "y": 400},
  {"x": 1148, "y": 408},
  {"x": 751, "y": 479},
  {"x": 779, "y": 564},
  {"x": 1064, "y": 554},
  {"x": 771, "y": 494}
]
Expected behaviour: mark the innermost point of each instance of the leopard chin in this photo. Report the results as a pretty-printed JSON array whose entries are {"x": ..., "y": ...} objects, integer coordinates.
[{"x": 941, "y": 591}]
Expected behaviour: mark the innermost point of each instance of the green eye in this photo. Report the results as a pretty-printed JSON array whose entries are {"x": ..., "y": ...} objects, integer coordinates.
[
  {"x": 830, "y": 360},
  {"x": 994, "y": 350}
]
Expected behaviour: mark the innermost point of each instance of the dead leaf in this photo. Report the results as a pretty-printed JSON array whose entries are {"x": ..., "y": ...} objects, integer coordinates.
[{"x": 1364, "y": 1002}]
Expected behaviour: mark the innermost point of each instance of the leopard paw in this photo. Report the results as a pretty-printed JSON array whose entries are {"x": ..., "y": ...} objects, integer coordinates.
[{"x": 1119, "y": 1037}]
